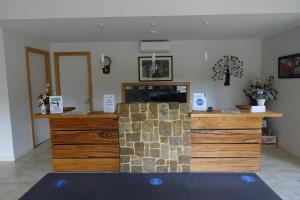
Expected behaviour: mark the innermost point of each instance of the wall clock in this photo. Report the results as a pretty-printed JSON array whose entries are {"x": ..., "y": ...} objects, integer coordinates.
[{"x": 106, "y": 65}]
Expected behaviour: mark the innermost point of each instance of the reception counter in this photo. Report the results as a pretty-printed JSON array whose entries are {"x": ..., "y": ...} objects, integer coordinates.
[
  {"x": 227, "y": 142},
  {"x": 84, "y": 142},
  {"x": 222, "y": 142}
]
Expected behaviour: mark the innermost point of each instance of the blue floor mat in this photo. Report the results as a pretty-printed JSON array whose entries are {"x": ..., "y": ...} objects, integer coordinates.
[{"x": 158, "y": 186}]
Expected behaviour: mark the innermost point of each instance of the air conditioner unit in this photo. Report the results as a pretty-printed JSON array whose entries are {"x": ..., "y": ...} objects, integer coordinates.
[{"x": 154, "y": 46}]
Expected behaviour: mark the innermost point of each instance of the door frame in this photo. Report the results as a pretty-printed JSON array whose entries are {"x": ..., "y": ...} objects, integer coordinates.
[
  {"x": 46, "y": 55},
  {"x": 89, "y": 71}
]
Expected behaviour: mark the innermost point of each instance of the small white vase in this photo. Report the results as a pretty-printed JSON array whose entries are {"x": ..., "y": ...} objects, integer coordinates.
[
  {"x": 43, "y": 109},
  {"x": 260, "y": 102}
]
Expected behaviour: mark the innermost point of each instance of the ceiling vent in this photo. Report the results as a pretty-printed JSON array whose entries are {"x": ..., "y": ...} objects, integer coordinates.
[{"x": 156, "y": 46}]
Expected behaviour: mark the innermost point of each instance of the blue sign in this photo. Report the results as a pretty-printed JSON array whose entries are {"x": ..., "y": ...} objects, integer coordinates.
[
  {"x": 248, "y": 179},
  {"x": 199, "y": 102},
  {"x": 156, "y": 181},
  {"x": 59, "y": 183}
]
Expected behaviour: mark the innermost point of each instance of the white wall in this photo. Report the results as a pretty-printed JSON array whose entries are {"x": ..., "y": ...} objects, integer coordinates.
[
  {"x": 16, "y": 9},
  {"x": 6, "y": 140},
  {"x": 287, "y": 127},
  {"x": 14, "y": 47},
  {"x": 188, "y": 66}
]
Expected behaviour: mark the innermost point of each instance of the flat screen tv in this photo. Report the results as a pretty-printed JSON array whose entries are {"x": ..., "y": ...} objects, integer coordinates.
[{"x": 155, "y": 93}]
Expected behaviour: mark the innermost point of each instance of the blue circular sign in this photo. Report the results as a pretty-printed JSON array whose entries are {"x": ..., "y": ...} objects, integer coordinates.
[
  {"x": 156, "y": 181},
  {"x": 59, "y": 183},
  {"x": 199, "y": 102},
  {"x": 248, "y": 179}
]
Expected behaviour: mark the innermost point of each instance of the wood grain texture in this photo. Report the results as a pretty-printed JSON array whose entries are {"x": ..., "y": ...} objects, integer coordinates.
[
  {"x": 225, "y": 136},
  {"x": 46, "y": 55},
  {"x": 86, "y": 165},
  {"x": 225, "y": 150},
  {"x": 83, "y": 123},
  {"x": 85, "y": 151},
  {"x": 85, "y": 137},
  {"x": 243, "y": 113},
  {"x": 226, "y": 123},
  {"x": 225, "y": 165}
]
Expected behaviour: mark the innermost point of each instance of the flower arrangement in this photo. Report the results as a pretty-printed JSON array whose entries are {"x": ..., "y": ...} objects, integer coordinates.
[
  {"x": 44, "y": 95},
  {"x": 258, "y": 89}
]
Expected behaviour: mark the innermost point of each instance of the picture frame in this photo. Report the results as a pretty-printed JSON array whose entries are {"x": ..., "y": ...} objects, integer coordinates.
[
  {"x": 161, "y": 71},
  {"x": 289, "y": 66}
]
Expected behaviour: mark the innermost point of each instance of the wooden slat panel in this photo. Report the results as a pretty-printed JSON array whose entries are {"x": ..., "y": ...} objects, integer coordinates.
[
  {"x": 86, "y": 165},
  {"x": 83, "y": 123},
  {"x": 85, "y": 151},
  {"x": 226, "y": 123},
  {"x": 225, "y": 165},
  {"x": 225, "y": 136},
  {"x": 226, "y": 150},
  {"x": 85, "y": 137}
]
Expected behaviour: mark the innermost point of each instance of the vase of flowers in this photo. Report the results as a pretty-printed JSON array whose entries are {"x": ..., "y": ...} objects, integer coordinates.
[
  {"x": 43, "y": 101},
  {"x": 261, "y": 91}
]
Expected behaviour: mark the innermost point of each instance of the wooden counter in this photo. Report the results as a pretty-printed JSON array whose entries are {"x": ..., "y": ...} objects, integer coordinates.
[
  {"x": 84, "y": 142},
  {"x": 227, "y": 142}
]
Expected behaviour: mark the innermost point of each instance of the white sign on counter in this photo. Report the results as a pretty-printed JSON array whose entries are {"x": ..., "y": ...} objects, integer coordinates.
[
  {"x": 199, "y": 101},
  {"x": 109, "y": 103},
  {"x": 56, "y": 104}
]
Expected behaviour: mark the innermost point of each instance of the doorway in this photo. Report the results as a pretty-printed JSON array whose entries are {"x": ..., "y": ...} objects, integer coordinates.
[
  {"x": 74, "y": 80},
  {"x": 38, "y": 74}
]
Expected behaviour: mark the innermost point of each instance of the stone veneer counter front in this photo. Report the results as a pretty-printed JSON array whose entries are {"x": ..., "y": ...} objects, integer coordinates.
[{"x": 154, "y": 137}]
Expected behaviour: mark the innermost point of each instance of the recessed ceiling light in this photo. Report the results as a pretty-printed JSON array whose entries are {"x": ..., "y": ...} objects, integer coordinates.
[
  {"x": 152, "y": 31},
  {"x": 153, "y": 24},
  {"x": 101, "y": 25}
]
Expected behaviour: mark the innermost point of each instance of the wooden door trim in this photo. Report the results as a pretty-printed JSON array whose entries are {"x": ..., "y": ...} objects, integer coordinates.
[
  {"x": 89, "y": 68},
  {"x": 46, "y": 55}
]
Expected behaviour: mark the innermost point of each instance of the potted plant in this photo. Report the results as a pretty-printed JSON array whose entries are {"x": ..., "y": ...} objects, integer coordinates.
[
  {"x": 43, "y": 101},
  {"x": 261, "y": 91}
]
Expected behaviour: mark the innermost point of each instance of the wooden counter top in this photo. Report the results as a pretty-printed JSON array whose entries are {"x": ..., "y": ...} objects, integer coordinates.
[
  {"x": 74, "y": 114},
  {"x": 243, "y": 113}
]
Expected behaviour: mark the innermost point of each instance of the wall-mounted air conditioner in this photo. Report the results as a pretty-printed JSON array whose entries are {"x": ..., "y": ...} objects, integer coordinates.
[{"x": 157, "y": 46}]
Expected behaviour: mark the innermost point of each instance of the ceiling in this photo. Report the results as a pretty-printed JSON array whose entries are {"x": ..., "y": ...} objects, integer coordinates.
[{"x": 165, "y": 27}]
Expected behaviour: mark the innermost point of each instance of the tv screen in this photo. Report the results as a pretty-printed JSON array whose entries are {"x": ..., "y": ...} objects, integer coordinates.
[{"x": 156, "y": 94}]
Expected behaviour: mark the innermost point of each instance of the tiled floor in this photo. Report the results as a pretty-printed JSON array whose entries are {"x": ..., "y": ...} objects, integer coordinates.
[{"x": 280, "y": 171}]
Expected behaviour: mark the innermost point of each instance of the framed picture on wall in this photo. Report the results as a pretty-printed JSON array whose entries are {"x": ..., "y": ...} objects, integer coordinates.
[
  {"x": 289, "y": 66},
  {"x": 162, "y": 70}
]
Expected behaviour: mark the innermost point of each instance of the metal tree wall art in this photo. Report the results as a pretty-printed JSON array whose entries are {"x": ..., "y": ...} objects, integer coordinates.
[{"x": 226, "y": 67}]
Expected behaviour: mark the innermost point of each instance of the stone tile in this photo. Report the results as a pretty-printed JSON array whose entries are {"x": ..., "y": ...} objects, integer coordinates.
[
  {"x": 123, "y": 110},
  {"x": 164, "y": 151},
  {"x": 155, "y": 153},
  {"x": 124, "y": 127},
  {"x": 160, "y": 162},
  {"x": 174, "y": 106},
  {"x": 136, "y": 169},
  {"x": 125, "y": 168},
  {"x": 147, "y": 126},
  {"x": 162, "y": 169},
  {"x": 184, "y": 108},
  {"x": 144, "y": 107},
  {"x": 126, "y": 151},
  {"x": 175, "y": 141},
  {"x": 165, "y": 128},
  {"x": 186, "y": 125},
  {"x": 184, "y": 159},
  {"x": 134, "y": 107},
  {"x": 149, "y": 165},
  {"x": 153, "y": 111},
  {"x": 124, "y": 159},
  {"x": 136, "y": 127},
  {"x": 177, "y": 128},
  {"x": 139, "y": 148},
  {"x": 133, "y": 137},
  {"x": 140, "y": 117},
  {"x": 174, "y": 115},
  {"x": 163, "y": 111}
]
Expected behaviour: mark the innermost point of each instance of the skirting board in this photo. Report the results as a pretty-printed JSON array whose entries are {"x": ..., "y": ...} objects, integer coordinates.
[{"x": 7, "y": 158}]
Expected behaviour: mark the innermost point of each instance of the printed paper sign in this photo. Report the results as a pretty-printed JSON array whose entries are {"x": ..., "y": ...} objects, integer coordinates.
[
  {"x": 109, "y": 103},
  {"x": 199, "y": 101},
  {"x": 56, "y": 104}
]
